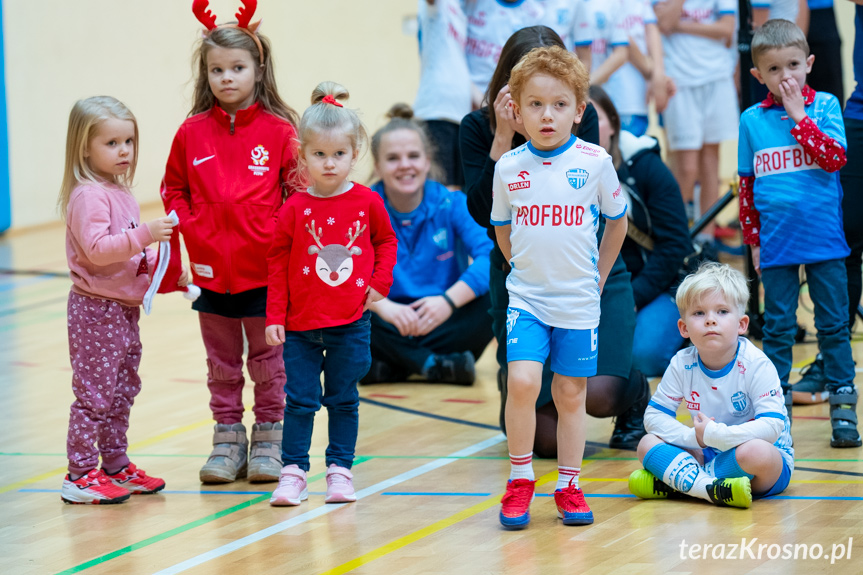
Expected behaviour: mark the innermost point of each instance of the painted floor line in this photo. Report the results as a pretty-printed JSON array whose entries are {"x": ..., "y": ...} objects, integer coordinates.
[
  {"x": 426, "y": 531},
  {"x": 325, "y": 509},
  {"x": 139, "y": 445}
]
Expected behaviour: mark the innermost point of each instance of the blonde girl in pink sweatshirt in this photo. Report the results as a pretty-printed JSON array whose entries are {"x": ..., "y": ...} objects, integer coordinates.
[{"x": 110, "y": 269}]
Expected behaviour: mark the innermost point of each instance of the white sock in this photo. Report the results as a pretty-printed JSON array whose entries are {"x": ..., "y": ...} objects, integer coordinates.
[
  {"x": 567, "y": 476},
  {"x": 521, "y": 466}
]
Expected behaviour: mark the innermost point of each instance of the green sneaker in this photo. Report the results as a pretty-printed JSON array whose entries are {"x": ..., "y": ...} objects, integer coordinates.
[
  {"x": 731, "y": 492},
  {"x": 645, "y": 485}
]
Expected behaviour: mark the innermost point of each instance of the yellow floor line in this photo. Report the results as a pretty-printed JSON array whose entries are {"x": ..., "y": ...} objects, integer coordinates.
[
  {"x": 139, "y": 445},
  {"x": 426, "y": 531}
]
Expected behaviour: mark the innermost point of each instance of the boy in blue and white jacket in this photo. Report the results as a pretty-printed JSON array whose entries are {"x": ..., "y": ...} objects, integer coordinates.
[{"x": 792, "y": 146}]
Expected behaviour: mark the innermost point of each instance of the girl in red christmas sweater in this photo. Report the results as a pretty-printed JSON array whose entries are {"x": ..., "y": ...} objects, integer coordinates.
[
  {"x": 226, "y": 178},
  {"x": 332, "y": 255}
]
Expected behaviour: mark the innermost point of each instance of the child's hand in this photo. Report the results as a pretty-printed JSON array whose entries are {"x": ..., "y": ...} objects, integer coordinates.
[
  {"x": 701, "y": 422},
  {"x": 184, "y": 277},
  {"x": 792, "y": 99},
  {"x": 372, "y": 295},
  {"x": 275, "y": 334},
  {"x": 161, "y": 228},
  {"x": 756, "y": 258}
]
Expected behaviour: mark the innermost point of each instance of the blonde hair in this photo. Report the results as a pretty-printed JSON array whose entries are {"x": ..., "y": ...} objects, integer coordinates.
[
  {"x": 84, "y": 118},
  {"x": 324, "y": 117},
  {"x": 265, "y": 78},
  {"x": 556, "y": 62},
  {"x": 713, "y": 277},
  {"x": 776, "y": 34}
]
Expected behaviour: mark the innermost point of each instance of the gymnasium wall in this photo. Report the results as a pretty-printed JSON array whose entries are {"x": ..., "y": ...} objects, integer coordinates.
[{"x": 139, "y": 51}]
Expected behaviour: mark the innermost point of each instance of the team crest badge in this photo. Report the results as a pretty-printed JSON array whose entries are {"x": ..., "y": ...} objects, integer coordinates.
[
  {"x": 577, "y": 178},
  {"x": 738, "y": 400}
]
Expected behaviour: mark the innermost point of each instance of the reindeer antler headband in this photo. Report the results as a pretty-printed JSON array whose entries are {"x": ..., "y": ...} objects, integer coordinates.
[{"x": 247, "y": 10}]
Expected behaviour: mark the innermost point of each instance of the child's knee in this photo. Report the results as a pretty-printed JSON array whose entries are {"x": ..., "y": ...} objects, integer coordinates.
[
  {"x": 522, "y": 387},
  {"x": 647, "y": 443}
]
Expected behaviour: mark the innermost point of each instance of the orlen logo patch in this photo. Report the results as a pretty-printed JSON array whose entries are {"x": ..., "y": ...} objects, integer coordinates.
[
  {"x": 260, "y": 156},
  {"x": 694, "y": 405},
  {"x": 518, "y": 185}
]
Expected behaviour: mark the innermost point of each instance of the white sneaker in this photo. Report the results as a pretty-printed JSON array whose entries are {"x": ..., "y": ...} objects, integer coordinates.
[{"x": 292, "y": 488}]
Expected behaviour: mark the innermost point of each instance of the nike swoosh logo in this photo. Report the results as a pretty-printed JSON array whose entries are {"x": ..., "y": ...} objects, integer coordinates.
[{"x": 197, "y": 162}]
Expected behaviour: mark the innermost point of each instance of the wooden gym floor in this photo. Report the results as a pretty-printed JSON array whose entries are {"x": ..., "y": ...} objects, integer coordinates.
[{"x": 430, "y": 470}]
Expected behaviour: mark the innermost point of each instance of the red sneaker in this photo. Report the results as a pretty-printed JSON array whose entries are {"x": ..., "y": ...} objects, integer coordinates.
[
  {"x": 571, "y": 506},
  {"x": 92, "y": 489},
  {"x": 136, "y": 480},
  {"x": 515, "y": 503}
]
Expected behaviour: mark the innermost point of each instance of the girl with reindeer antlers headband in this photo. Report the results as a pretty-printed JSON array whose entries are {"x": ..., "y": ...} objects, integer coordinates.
[
  {"x": 228, "y": 173},
  {"x": 332, "y": 255}
]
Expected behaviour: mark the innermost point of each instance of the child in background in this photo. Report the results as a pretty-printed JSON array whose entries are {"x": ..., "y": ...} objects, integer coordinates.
[
  {"x": 445, "y": 94},
  {"x": 792, "y": 146},
  {"x": 740, "y": 446},
  {"x": 610, "y": 42},
  {"x": 110, "y": 268},
  {"x": 643, "y": 77},
  {"x": 226, "y": 177},
  {"x": 332, "y": 255},
  {"x": 697, "y": 35},
  {"x": 551, "y": 191}
]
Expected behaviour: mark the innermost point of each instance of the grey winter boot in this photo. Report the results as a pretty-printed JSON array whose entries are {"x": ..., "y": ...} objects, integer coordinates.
[
  {"x": 228, "y": 460},
  {"x": 265, "y": 459}
]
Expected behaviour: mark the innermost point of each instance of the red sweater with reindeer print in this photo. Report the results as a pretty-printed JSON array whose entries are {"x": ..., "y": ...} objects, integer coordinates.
[{"x": 325, "y": 255}]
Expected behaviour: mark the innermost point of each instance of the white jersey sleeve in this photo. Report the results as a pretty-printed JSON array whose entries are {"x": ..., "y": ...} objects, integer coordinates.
[
  {"x": 612, "y": 204},
  {"x": 501, "y": 210}
]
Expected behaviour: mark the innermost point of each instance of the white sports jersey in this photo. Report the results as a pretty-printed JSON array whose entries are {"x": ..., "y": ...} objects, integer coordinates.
[
  {"x": 627, "y": 88},
  {"x": 697, "y": 60},
  {"x": 608, "y": 29},
  {"x": 444, "y": 90},
  {"x": 569, "y": 18},
  {"x": 785, "y": 9},
  {"x": 553, "y": 201},
  {"x": 745, "y": 398},
  {"x": 490, "y": 24}
]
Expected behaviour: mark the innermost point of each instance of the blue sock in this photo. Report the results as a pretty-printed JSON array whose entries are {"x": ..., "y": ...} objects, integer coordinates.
[
  {"x": 678, "y": 469},
  {"x": 725, "y": 465}
]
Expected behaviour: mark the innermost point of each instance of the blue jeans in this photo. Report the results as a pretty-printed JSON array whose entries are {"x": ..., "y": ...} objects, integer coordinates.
[
  {"x": 828, "y": 291},
  {"x": 347, "y": 360},
  {"x": 657, "y": 338}
]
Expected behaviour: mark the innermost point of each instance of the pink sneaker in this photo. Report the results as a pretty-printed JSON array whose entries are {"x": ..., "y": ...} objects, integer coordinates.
[
  {"x": 292, "y": 487},
  {"x": 93, "y": 489},
  {"x": 340, "y": 488},
  {"x": 136, "y": 480}
]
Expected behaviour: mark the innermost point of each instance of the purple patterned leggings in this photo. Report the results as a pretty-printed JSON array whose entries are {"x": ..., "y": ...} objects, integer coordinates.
[{"x": 105, "y": 350}]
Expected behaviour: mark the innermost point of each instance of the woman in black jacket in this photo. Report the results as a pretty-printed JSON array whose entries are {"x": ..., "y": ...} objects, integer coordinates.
[
  {"x": 658, "y": 240},
  {"x": 485, "y": 135}
]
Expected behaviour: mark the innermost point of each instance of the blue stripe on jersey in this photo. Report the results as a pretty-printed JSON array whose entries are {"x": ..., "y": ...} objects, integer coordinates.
[
  {"x": 770, "y": 414},
  {"x": 497, "y": 223},
  {"x": 617, "y": 217},
  {"x": 661, "y": 408},
  {"x": 552, "y": 153},
  {"x": 720, "y": 372}
]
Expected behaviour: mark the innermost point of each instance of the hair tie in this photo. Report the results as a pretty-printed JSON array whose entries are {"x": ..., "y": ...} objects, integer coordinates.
[
  {"x": 244, "y": 16},
  {"x": 329, "y": 99}
]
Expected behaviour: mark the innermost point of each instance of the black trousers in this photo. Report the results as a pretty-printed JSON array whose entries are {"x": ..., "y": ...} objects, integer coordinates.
[
  {"x": 851, "y": 177},
  {"x": 467, "y": 329}
]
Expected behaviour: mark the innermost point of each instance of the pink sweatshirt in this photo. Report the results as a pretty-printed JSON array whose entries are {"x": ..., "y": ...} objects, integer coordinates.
[{"x": 105, "y": 244}]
